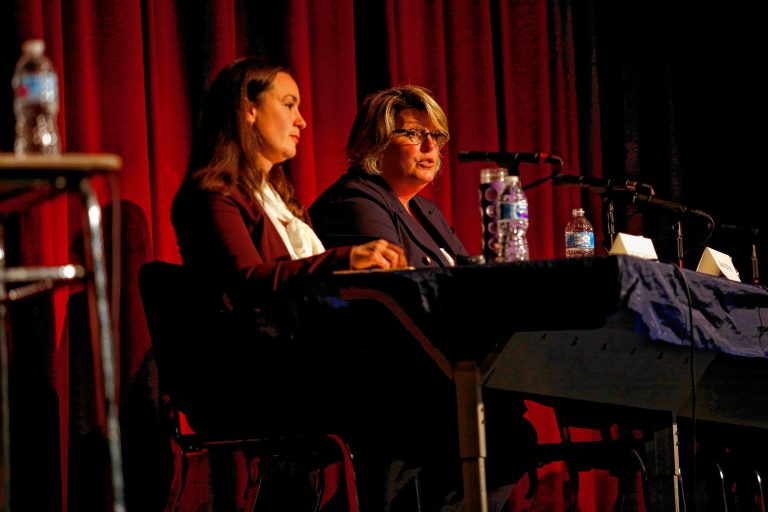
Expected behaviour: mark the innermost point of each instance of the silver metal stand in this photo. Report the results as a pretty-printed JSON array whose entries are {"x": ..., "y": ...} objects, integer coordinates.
[{"x": 24, "y": 183}]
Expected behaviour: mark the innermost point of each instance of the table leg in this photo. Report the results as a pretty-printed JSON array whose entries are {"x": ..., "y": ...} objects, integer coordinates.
[
  {"x": 663, "y": 465},
  {"x": 5, "y": 446},
  {"x": 103, "y": 346},
  {"x": 472, "y": 448}
]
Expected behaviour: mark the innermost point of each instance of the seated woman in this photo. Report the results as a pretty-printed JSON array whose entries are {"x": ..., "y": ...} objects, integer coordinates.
[
  {"x": 244, "y": 237},
  {"x": 394, "y": 152},
  {"x": 236, "y": 217}
]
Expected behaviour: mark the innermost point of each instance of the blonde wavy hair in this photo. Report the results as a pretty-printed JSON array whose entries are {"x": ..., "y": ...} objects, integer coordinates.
[{"x": 372, "y": 130}]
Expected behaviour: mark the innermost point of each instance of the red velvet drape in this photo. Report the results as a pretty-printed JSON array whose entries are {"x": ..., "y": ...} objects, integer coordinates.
[{"x": 512, "y": 76}]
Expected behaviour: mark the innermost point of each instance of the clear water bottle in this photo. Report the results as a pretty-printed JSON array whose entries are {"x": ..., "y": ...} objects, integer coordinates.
[
  {"x": 491, "y": 187},
  {"x": 579, "y": 236},
  {"x": 513, "y": 222},
  {"x": 35, "y": 101}
]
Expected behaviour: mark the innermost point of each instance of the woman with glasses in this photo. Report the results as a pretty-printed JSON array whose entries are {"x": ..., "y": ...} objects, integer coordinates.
[{"x": 393, "y": 152}]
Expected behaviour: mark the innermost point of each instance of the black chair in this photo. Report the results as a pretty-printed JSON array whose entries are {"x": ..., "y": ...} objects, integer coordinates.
[
  {"x": 182, "y": 327},
  {"x": 622, "y": 458}
]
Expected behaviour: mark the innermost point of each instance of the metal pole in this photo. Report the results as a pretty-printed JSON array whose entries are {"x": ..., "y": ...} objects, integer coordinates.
[{"x": 95, "y": 246}]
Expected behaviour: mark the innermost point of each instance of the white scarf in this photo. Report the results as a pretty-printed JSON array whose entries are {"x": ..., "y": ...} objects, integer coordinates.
[{"x": 297, "y": 236}]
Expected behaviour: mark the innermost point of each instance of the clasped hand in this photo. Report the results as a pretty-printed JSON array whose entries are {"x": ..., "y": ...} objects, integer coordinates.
[{"x": 377, "y": 254}]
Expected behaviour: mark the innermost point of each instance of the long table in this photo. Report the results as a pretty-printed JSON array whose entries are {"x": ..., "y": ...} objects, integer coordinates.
[{"x": 607, "y": 330}]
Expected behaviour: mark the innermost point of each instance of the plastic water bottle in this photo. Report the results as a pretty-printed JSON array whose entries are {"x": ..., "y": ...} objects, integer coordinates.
[
  {"x": 579, "y": 236},
  {"x": 35, "y": 101},
  {"x": 491, "y": 187},
  {"x": 513, "y": 222}
]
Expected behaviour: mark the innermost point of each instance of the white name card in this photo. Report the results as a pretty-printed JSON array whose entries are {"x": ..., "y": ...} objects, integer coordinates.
[
  {"x": 716, "y": 263},
  {"x": 633, "y": 245}
]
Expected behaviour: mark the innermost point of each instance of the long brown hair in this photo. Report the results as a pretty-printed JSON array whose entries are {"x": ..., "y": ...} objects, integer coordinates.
[{"x": 225, "y": 145}]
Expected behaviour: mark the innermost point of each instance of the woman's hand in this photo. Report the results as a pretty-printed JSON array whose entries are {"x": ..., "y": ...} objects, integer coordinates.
[{"x": 377, "y": 254}]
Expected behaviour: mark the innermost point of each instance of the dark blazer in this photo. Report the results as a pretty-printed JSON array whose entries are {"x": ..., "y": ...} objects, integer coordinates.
[
  {"x": 230, "y": 242},
  {"x": 359, "y": 208}
]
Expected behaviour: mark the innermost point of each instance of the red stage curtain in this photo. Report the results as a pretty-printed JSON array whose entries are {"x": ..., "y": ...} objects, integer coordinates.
[{"x": 512, "y": 76}]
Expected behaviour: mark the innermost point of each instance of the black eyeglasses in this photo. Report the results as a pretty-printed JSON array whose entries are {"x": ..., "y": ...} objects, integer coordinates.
[{"x": 419, "y": 135}]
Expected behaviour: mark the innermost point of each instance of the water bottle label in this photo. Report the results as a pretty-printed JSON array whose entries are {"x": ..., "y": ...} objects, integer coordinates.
[
  {"x": 37, "y": 87},
  {"x": 516, "y": 210},
  {"x": 580, "y": 240}
]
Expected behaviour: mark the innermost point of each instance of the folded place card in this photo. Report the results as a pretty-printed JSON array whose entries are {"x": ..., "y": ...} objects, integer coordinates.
[
  {"x": 716, "y": 263},
  {"x": 633, "y": 245}
]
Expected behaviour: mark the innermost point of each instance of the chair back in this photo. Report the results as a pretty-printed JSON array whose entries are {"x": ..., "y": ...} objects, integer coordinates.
[{"x": 182, "y": 322}]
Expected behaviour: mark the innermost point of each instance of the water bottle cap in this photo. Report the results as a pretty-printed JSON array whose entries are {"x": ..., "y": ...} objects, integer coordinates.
[{"x": 34, "y": 47}]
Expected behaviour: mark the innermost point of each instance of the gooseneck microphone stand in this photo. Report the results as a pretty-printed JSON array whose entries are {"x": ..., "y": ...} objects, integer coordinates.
[
  {"x": 539, "y": 181},
  {"x": 755, "y": 269},
  {"x": 610, "y": 222},
  {"x": 610, "y": 225},
  {"x": 753, "y": 236},
  {"x": 679, "y": 237},
  {"x": 641, "y": 195}
]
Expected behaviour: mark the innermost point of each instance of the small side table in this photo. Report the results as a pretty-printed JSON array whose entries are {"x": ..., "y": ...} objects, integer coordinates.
[{"x": 25, "y": 182}]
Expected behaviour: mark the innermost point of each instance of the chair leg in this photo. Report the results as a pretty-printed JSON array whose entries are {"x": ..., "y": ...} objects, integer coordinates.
[
  {"x": 179, "y": 477},
  {"x": 723, "y": 493},
  {"x": 760, "y": 493},
  {"x": 253, "y": 486},
  {"x": 349, "y": 474}
]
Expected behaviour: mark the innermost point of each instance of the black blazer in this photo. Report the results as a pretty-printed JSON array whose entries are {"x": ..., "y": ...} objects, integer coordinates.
[{"x": 359, "y": 208}]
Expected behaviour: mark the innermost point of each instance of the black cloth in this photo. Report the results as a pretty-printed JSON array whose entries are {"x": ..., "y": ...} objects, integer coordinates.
[
  {"x": 397, "y": 410},
  {"x": 359, "y": 208},
  {"x": 479, "y": 312}
]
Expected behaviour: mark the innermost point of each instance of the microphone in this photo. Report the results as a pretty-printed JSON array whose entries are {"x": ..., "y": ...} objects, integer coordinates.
[
  {"x": 739, "y": 229},
  {"x": 641, "y": 192},
  {"x": 601, "y": 185},
  {"x": 512, "y": 158},
  {"x": 675, "y": 207}
]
